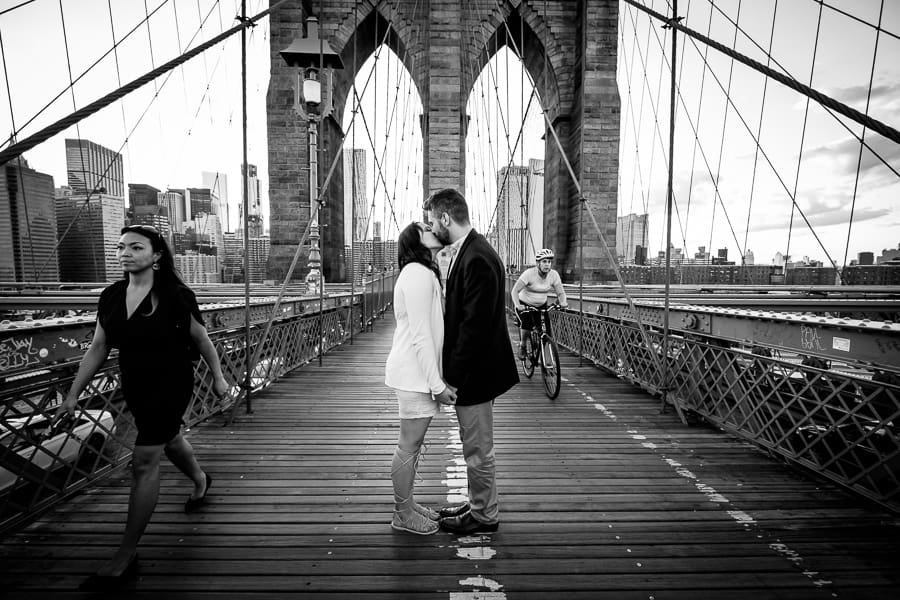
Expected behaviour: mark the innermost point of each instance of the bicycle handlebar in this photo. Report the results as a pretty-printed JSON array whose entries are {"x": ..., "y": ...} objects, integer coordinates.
[{"x": 529, "y": 308}]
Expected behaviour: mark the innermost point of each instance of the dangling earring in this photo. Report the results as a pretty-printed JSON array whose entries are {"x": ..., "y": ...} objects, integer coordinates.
[{"x": 155, "y": 266}]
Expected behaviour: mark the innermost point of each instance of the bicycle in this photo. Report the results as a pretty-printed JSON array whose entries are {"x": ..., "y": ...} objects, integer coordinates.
[{"x": 541, "y": 349}]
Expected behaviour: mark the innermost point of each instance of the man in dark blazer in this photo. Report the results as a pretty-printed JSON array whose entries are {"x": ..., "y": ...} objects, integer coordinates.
[{"x": 478, "y": 359}]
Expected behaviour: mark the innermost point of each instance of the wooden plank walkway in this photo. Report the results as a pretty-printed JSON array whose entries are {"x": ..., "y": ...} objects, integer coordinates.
[{"x": 602, "y": 497}]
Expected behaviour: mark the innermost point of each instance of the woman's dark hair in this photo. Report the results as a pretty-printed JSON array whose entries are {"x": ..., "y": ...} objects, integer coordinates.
[
  {"x": 167, "y": 273},
  {"x": 410, "y": 249}
]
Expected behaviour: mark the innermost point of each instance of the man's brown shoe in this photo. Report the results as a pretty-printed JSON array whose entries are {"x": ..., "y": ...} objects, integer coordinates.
[{"x": 466, "y": 524}]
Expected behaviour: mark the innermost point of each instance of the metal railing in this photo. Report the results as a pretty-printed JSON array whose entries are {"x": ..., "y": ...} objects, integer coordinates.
[
  {"x": 41, "y": 465},
  {"x": 838, "y": 419}
]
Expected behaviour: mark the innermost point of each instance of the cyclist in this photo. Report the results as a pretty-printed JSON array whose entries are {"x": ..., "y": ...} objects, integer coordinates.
[{"x": 531, "y": 289}]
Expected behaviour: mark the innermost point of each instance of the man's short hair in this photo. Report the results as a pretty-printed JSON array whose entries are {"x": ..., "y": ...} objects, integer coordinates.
[{"x": 451, "y": 202}]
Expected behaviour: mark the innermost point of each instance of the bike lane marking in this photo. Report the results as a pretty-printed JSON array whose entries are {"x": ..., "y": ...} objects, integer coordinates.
[
  {"x": 749, "y": 524},
  {"x": 475, "y": 548}
]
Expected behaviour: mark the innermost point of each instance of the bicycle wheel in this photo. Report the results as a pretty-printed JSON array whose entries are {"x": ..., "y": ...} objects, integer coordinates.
[
  {"x": 528, "y": 360},
  {"x": 550, "y": 367}
]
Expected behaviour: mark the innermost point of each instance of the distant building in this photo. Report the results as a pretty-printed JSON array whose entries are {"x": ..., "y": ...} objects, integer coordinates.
[
  {"x": 174, "y": 204},
  {"x": 356, "y": 208},
  {"x": 146, "y": 208},
  {"x": 88, "y": 228},
  {"x": 92, "y": 169},
  {"x": 90, "y": 213},
  {"x": 702, "y": 274},
  {"x": 202, "y": 200},
  {"x": 27, "y": 225},
  {"x": 516, "y": 229},
  {"x": 233, "y": 271},
  {"x": 217, "y": 184},
  {"x": 207, "y": 229},
  {"x": 254, "y": 205},
  {"x": 197, "y": 268},
  {"x": 810, "y": 275},
  {"x": 889, "y": 255},
  {"x": 632, "y": 232}
]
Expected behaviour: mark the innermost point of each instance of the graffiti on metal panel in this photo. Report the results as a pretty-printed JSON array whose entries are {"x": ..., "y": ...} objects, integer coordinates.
[
  {"x": 809, "y": 338},
  {"x": 17, "y": 353}
]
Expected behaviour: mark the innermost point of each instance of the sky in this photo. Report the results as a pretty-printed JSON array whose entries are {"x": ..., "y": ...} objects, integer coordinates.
[
  {"x": 173, "y": 129},
  {"x": 169, "y": 131},
  {"x": 719, "y": 201}
]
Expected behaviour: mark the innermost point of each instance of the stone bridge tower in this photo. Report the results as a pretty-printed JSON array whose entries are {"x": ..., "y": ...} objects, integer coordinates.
[{"x": 569, "y": 49}]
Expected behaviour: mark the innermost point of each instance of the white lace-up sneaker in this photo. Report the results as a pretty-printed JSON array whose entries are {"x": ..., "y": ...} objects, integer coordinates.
[{"x": 414, "y": 522}]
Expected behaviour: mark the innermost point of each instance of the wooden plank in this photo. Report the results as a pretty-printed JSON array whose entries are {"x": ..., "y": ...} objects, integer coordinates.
[{"x": 601, "y": 497}]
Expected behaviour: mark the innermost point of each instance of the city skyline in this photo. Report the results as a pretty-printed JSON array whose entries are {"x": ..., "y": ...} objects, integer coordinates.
[{"x": 190, "y": 122}]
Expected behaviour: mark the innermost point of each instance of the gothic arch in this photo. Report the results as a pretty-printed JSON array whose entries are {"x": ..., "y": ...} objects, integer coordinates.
[
  {"x": 359, "y": 36},
  {"x": 527, "y": 36}
]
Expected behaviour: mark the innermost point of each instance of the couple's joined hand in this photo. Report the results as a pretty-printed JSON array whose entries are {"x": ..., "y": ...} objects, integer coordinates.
[{"x": 448, "y": 396}]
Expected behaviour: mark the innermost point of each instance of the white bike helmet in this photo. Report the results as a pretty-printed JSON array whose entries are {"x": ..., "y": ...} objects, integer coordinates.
[{"x": 542, "y": 254}]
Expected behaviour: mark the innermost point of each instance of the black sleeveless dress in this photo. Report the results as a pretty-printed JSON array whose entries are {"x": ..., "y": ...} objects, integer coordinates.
[{"x": 155, "y": 356}]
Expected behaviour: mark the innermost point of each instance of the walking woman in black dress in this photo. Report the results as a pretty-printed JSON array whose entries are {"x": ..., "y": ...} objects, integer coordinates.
[{"x": 152, "y": 317}]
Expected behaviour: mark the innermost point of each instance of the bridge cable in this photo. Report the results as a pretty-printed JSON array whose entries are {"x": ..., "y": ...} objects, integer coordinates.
[
  {"x": 62, "y": 18},
  {"x": 20, "y": 176},
  {"x": 77, "y": 79},
  {"x": 115, "y": 50},
  {"x": 86, "y": 111},
  {"x": 669, "y": 202},
  {"x": 722, "y": 144},
  {"x": 874, "y": 124},
  {"x": 315, "y": 207},
  {"x": 610, "y": 255},
  {"x": 812, "y": 69},
  {"x": 859, "y": 156},
  {"x": 772, "y": 59},
  {"x": 791, "y": 195},
  {"x": 762, "y": 108},
  {"x": 78, "y": 116}
]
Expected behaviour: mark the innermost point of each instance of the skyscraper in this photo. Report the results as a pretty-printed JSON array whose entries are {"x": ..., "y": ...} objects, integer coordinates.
[
  {"x": 88, "y": 228},
  {"x": 94, "y": 169},
  {"x": 90, "y": 213},
  {"x": 146, "y": 208},
  {"x": 27, "y": 225},
  {"x": 517, "y": 223},
  {"x": 356, "y": 208},
  {"x": 217, "y": 183},
  {"x": 254, "y": 206},
  {"x": 631, "y": 232}
]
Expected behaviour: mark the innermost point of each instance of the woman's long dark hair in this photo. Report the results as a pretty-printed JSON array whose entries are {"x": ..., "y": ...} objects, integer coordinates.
[
  {"x": 167, "y": 275},
  {"x": 410, "y": 249}
]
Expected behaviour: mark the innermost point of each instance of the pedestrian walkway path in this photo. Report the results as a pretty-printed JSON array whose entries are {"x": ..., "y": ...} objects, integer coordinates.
[{"x": 602, "y": 497}]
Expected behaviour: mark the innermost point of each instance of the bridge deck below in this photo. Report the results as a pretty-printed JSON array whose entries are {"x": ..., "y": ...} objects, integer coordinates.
[{"x": 601, "y": 497}]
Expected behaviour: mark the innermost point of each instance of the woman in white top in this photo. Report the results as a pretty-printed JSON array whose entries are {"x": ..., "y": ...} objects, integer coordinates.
[
  {"x": 413, "y": 368},
  {"x": 532, "y": 288}
]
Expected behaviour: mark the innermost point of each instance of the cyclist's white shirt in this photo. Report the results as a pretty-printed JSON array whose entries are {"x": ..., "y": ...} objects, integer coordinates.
[
  {"x": 534, "y": 288},
  {"x": 414, "y": 363}
]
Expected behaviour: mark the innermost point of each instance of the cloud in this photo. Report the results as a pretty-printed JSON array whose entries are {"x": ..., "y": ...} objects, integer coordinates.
[
  {"x": 883, "y": 94},
  {"x": 843, "y": 156},
  {"x": 819, "y": 214}
]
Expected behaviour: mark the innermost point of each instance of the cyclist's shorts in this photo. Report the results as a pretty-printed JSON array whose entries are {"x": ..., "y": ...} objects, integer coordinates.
[{"x": 528, "y": 319}]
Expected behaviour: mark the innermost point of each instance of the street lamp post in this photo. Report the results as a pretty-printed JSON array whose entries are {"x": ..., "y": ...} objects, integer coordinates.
[{"x": 312, "y": 55}]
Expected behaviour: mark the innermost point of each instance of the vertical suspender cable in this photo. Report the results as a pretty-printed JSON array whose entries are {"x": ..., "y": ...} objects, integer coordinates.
[
  {"x": 862, "y": 139},
  {"x": 245, "y": 203},
  {"x": 664, "y": 387},
  {"x": 320, "y": 153},
  {"x": 353, "y": 182},
  {"x": 581, "y": 198}
]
